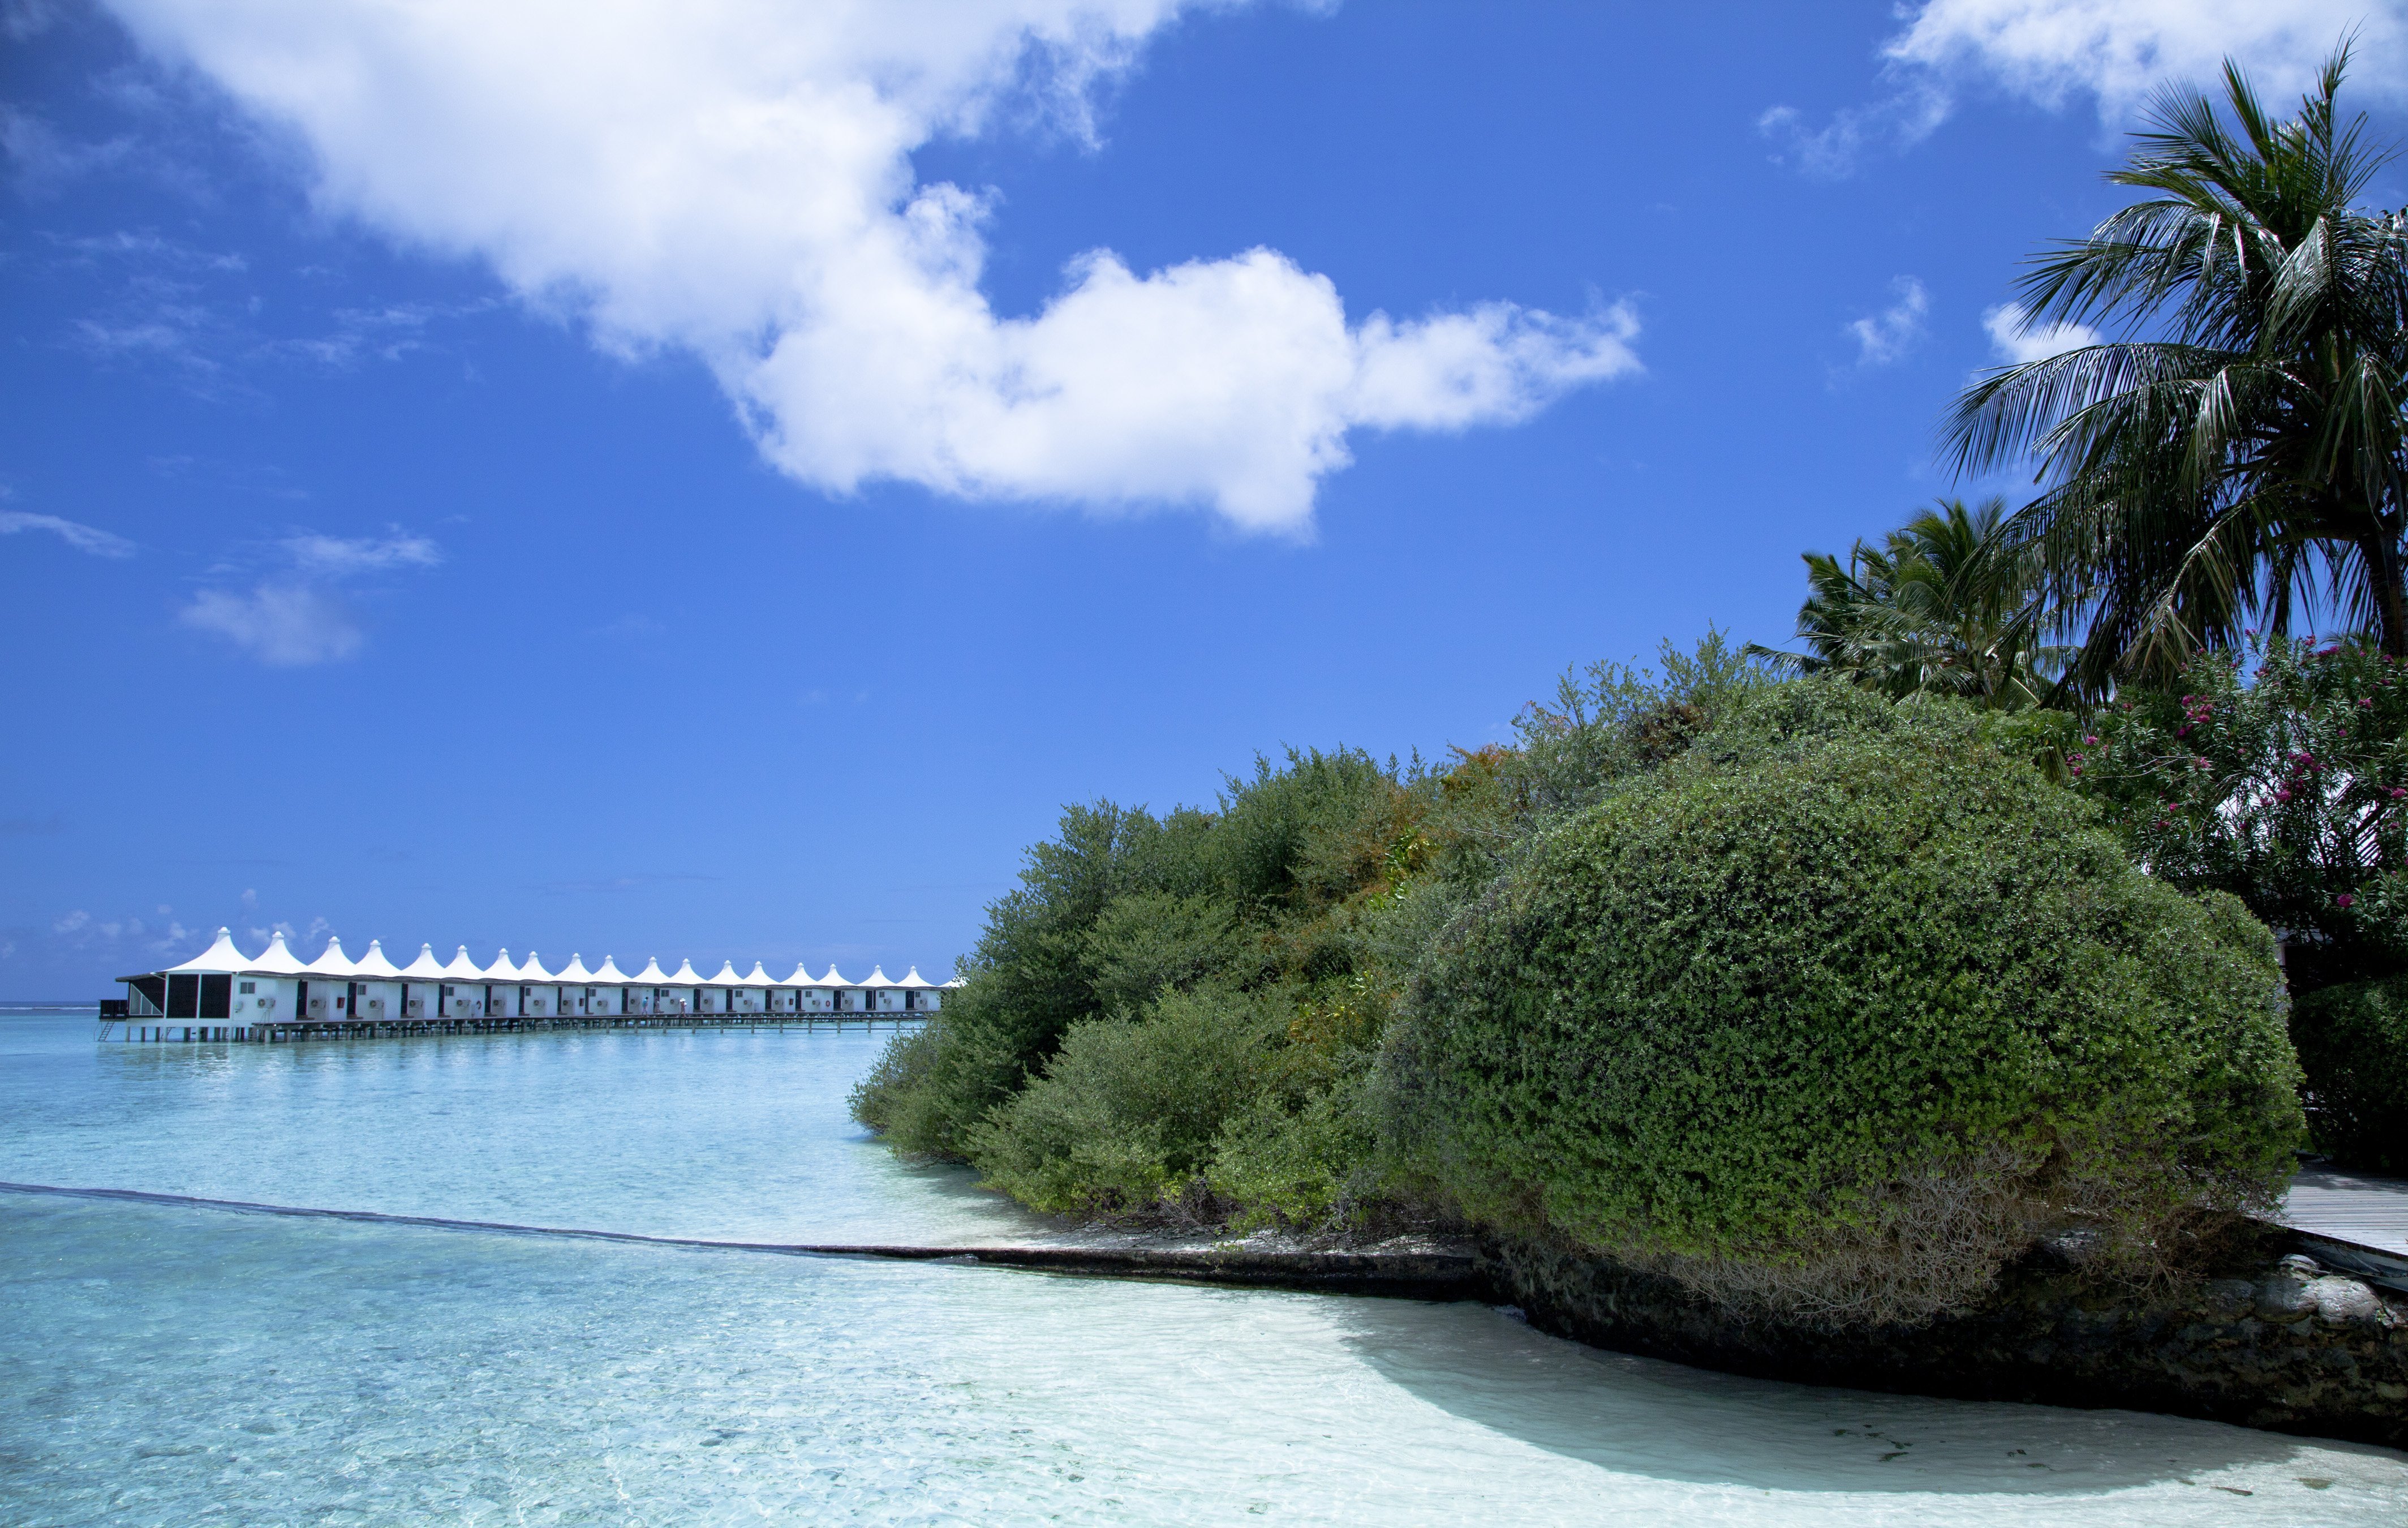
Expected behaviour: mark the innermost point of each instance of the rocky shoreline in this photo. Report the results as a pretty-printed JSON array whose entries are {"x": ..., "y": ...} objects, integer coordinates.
[{"x": 2291, "y": 1332}]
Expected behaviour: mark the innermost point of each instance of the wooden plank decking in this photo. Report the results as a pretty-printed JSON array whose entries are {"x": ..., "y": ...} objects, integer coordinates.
[{"x": 2354, "y": 1207}]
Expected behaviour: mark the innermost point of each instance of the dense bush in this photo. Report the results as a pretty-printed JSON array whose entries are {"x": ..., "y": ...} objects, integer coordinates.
[
  {"x": 2353, "y": 1042},
  {"x": 1153, "y": 978},
  {"x": 1125, "y": 1115},
  {"x": 1835, "y": 1012}
]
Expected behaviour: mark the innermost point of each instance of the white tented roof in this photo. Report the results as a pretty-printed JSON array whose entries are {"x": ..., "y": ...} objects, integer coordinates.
[
  {"x": 219, "y": 959},
  {"x": 574, "y": 974},
  {"x": 652, "y": 976},
  {"x": 276, "y": 961},
  {"x": 501, "y": 969},
  {"x": 727, "y": 976},
  {"x": 423, "y": 968},
  {"x": 330, "y": 961},
  {"x": 532, "y": 972},
  {"x": 834, "y": 978},
  {"x": 759, "y": 978},
  {"x": 461, "y": 968},
  {"x": 802, "y": 977},
  {"x": 877, "y": 978},
  {"x": 916, "y": 980},
  {"x": 685, "y": 975},
  {"x": 610, "y": 975},
  {"x": 954, "y": 983},
  {"x": 373, "y": 966}
]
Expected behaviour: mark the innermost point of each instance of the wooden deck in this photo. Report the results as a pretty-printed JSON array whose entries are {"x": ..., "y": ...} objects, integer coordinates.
[{"x": 2352, "y": 1208}]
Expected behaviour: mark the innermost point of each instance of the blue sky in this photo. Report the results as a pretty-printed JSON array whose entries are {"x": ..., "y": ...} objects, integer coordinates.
[{"x": 712, "y": 480}]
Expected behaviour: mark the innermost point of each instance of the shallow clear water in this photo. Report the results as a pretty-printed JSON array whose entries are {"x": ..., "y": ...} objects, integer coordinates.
[{"x": 174, "y": 1365}]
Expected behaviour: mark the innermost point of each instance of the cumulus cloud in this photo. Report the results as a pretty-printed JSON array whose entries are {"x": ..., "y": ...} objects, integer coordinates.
[
  {"x": 2118, "y": 52},
  {"x": 2111, "y": 53},
  {"x": 734, "y": 178},
  {"x": 83, "y": 538},
  {"x": 2017, "y": 342},
  {"x": 298, "y": 615},
  {"x": 1886, "y": 337}
]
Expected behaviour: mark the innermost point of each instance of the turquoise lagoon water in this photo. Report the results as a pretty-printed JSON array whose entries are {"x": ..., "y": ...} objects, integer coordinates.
[{"x": 175, "y": 1365}]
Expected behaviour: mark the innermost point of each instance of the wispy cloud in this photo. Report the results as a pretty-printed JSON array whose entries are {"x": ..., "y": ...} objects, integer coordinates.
[
  {"x": 298, "y": 616},
  {"x": 44, "y": 158},
  {"x": 83, "y": 538},
  {"x": 2017, "y": 342},
  {"x": 1835, "y": 148},
  {"x": 337, "y": 557},
  {"x": 1886, "y": 337},
  {"x": 284, "y": 626}
]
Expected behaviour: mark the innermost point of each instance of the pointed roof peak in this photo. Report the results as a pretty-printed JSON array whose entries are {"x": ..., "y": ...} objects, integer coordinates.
[{"x": 219, "y": 958}]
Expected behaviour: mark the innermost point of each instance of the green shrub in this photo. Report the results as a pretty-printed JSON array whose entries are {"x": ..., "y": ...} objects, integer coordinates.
[
  {"x": 2353, "y": 1042},
  {"x": 1834, "y": 1014},
  {"x": 1125, "y": 1115},
  {"x": 1307, "y": 1164}
]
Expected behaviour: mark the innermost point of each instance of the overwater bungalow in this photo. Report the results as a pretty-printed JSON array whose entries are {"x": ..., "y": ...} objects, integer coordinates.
[
  {"x": 539, "y": 989},
  {"x": 376, "y": 989},
  {"x": 327, "y": 986},
  {"x": 245, "y": 996},
  {"x": 881, "y": 994}
]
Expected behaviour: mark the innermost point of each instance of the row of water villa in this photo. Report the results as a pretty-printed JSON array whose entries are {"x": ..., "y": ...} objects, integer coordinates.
[{"x": 223, "y": 994}]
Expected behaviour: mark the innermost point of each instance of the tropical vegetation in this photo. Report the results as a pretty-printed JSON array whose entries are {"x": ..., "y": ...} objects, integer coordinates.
[
  {"x": 2235, "y": 455},
  {"x": 1826, "y": 982}
]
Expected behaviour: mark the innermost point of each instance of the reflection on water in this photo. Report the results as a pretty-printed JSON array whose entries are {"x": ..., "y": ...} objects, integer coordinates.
[{"x": 170, "y": 1364}]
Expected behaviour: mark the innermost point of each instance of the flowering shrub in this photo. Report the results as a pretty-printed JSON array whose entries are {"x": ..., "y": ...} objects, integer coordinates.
[{"x": 2289, "y": 788}]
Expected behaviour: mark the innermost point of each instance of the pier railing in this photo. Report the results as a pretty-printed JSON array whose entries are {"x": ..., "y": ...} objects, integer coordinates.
[{"x": 144, "y": 1029}]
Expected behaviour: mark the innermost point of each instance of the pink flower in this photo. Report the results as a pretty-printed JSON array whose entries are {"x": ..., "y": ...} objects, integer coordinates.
[
  {"x": 2345, "y": 900},
  {"x": 2284, "y": 794}
]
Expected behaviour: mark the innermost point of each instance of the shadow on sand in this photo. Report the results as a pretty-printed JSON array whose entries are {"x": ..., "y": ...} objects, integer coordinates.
[{"x": 1667, "y": 1421}]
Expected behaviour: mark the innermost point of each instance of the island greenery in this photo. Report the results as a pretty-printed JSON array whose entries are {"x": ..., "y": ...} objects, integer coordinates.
[{"x": 1828, "y": 981}]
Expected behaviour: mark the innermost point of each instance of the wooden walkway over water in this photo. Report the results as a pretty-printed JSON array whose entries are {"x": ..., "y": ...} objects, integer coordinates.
[
  {"x": 2355, "y": 1207},
  {"x": 194, "y": 1032}
]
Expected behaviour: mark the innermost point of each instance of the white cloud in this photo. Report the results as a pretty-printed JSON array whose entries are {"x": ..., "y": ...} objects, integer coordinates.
[
  {"x": 297, "y": 617},
  {"x": 337, "y": 557},
  {"x": 1886, "y": 337},
  {"x": 1906, "y": 118},
  {"x": 2114, "y": 53},
  {"x": 2119, "y": 52},
  {"x": 283, "y": 626},
  {"x": 83, "y": 538},
  {"x": 2017, "y": 343},
  {"x": 733, "y": 177}
]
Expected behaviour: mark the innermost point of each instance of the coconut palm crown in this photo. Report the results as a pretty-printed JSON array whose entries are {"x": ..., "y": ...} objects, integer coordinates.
[
  {"x": 1928, "y": 610},
  {"x": 2235, "y": 457}
]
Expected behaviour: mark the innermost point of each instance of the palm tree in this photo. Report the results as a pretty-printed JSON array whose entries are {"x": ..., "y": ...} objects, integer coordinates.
[
  {"x": 1929, "y": 610},
  {"x": 2213, "y": 475}
]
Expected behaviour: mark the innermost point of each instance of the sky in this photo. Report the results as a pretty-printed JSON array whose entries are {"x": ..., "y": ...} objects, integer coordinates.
[{"x": 712, "y": 479}]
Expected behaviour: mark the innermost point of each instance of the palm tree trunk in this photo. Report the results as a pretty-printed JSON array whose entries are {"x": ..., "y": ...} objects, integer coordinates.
[{"x": 2385, "y": 564}]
